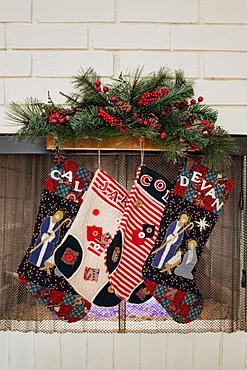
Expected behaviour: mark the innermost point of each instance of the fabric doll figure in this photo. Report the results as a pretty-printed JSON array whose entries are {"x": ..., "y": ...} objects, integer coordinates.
[
  {"x": 60, "y": 201},
  {"x": 195, "y": 202}
]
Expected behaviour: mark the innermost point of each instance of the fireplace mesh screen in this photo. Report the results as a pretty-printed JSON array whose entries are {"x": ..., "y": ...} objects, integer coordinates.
[{"x": 218, "y": 274}]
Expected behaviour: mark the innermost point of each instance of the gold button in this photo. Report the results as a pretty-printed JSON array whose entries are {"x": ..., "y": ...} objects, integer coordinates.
[
  {"x": 138, "y": 203},
  {"x": 146, "y": 291},
  {"x": 110, "y": 289},
  {"x": 95, "y": 233}
]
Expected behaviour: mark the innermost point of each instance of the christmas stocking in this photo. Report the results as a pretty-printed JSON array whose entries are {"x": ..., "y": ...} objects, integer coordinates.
[
  {"x": 197, "y": 198},
  {"x": 136, "y": 235},
  {"x": 80, "y": 256},
  {"x": 60, "y": 202}
]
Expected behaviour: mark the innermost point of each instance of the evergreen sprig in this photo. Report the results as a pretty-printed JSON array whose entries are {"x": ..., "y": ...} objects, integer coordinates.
[{"x": 159, "y": 106}]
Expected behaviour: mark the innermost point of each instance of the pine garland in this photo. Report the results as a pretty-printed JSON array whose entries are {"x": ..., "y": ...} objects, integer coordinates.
[{"x": 159, "y": 106}]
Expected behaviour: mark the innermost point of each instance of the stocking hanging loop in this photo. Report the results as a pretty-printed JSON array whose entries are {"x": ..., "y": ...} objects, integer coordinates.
[
  {"x": 142, "y": 146},
  {"x": 99, "y": 147}
]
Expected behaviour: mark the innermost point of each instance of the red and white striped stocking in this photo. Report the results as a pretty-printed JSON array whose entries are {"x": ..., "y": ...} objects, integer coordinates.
[{"x": 135, "y": 238}]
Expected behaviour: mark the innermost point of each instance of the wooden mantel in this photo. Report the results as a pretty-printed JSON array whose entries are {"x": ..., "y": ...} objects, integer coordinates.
[{"x": 118, "y": 143}]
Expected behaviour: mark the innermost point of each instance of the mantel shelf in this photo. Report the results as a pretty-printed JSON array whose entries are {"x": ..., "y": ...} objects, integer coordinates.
[{"x": 118, "y": 143}]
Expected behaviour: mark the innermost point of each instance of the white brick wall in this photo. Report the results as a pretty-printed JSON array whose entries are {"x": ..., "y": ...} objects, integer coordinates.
[
  {"x": 43, "y": 43},
  {"x": 89, "y": 351}
]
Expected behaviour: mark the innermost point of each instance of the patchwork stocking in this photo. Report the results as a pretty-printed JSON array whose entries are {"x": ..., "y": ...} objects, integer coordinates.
[
  {"x": 195, "y": 202},
  {"x": 137, "y": 232},
  {"x": 60, "y": 202},
  {"x": 80, "y": 256}
]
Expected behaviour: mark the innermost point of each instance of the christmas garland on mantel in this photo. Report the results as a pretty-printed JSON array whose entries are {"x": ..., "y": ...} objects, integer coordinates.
[{"x": 160, "y": 107}]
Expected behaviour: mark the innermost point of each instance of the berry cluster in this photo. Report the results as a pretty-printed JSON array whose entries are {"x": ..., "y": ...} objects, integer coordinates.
[
  {"x": 114, "y": 121},
  {"x": 98, "y": 88},
  {"x": 60, "y": 116},
  {"x": 148, "y": 97},
  {"x": 145, "y": 123},
  {"x": 207, "y": 125}
]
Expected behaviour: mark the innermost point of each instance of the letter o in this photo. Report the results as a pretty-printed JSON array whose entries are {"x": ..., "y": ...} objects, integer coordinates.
[{"x": 160, "y": 185}]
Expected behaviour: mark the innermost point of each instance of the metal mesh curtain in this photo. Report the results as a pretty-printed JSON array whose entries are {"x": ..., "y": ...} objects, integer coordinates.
[{"x": 218, "y": 274}]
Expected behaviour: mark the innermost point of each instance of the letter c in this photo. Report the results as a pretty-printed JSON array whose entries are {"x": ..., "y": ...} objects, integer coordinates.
[
  {"x": 53, "y": 176},
  {"x": 146, "y": 180}
]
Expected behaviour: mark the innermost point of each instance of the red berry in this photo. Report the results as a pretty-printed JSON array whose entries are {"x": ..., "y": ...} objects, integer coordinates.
[
  {"x": 176, "y": 105},
  {"x": 97, "y": 89},
  {"x": 97, "y": 83},
  {"x": 163, "y": 135},
  {"x": 200, "y": 99},
  {"x": 53, "y": 121},
  {"x": 185, "y": 102},
  {"x": 193, "y": 101},
  {"x": 113, "y": 99},
  {"x": 105, "y": 88},
  {"x": 169, "y": 107},
  {"x": 61, "y": 120}
]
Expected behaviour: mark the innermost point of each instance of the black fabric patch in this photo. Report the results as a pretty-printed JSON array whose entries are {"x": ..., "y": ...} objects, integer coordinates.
[
  {"x": 68, "y": 269},
  {"x": 114, "y": 252},
  {"x": 106, "y": 299}
]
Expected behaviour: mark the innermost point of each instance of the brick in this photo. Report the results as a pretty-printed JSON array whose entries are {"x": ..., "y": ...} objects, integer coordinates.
[
  {"x": 233, "y": 119},
  {"x": 225, "y": 65},
  {"x": 158, "y": 11},
  {"x": 75, "y": 11},
  {"x": 221, "y": 11},
  {"x": 15, "y": 11},
  {"x": 65, "y": 64},
  {"x": 130, "y": 36},
  {"x": 15, "y": 63},
  {"x": 2, "y": 89},
  {"x": 2, "y": 36},
  {"x": 232, "y": 92},
  {"x": 48, "y": 36},
  {"x": 234, "y": 351},
  {"x": 153, "y": 60},
  {"x": 209, "y": 37},
  {"x": 18, "y": 89}
]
